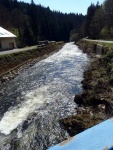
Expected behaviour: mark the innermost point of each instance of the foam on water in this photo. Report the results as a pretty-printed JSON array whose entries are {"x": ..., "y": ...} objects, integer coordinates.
[
  {"x": 18, "y": 114},
  {"x": 68, "y": 51},
  {"x": 53, "y": 78}
]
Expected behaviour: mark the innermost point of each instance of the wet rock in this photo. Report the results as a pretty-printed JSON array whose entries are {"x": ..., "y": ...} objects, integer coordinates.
[
  {"x": 80, "y": 122},
  {"x": 25, "y": 125},
  {"x": 2, "y": 80},
  {"x": 86, "y": 86},
  {"x": 78, "y": 100},
  {"x": 101, "y": 106}
]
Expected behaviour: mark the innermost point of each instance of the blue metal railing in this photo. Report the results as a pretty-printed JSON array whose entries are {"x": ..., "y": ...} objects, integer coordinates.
[{"x": 99, "y": 137}]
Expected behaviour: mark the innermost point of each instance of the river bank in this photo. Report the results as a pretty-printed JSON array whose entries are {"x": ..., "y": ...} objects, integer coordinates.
[
  {"x": 13, "y": 64},
  {"x": 96, "y": 101}
]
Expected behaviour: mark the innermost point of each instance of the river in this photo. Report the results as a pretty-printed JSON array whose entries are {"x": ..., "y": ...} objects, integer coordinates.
[{"x": 32, "y": 103}]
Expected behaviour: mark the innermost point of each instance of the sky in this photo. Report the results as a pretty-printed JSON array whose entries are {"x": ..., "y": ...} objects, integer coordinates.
[{"x": 67, "y": 6}]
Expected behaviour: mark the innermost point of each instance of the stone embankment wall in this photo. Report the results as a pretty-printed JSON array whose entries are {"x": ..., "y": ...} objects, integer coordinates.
[
  {"x": 93, "y": 48},
  {"x": 12, "y": 64}
]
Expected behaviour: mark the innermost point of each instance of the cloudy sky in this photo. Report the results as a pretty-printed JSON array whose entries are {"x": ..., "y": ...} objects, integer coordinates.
[{"x": 76, "y": 6}]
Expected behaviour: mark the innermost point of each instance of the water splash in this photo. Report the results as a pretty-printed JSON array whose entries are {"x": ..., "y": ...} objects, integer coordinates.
[{"x": 20, "y": 113}]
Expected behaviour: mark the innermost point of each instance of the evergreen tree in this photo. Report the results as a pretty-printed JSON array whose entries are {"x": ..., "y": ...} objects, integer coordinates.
[
  {"x": 108, "y": 11},
  {"x": 97, "y": 24},
  {"x": 89, "y": 17},
  {"x": 32, "y": 2},
  {"x": 15, "y": 4},
  {"x": 41, "y": 22}
]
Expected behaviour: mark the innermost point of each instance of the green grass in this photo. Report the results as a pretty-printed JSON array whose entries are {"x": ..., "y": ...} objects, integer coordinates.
[{"x": 106, "y": 44}]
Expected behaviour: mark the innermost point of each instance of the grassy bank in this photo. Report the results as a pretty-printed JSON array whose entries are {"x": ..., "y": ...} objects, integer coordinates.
[
  {"x": 15, "y": 60},
  {"x": 110, "y": 45},
  {"x": 95, "y": 104}
]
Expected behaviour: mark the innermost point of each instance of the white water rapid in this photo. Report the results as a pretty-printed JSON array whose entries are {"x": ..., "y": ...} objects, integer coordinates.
[{"x": 46, "y": 89}]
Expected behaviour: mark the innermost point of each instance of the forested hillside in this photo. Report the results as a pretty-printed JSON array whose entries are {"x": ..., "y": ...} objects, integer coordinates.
[
  {"x": 31, "y": 22},
  {"x": 98, "y": 23}
]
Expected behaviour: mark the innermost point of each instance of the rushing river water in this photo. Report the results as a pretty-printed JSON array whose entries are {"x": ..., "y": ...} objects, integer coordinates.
[{"x": 32, "y": 104}]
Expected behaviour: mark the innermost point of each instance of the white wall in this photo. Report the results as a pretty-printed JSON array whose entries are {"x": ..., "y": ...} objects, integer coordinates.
[{"x": 5, "y": 42}]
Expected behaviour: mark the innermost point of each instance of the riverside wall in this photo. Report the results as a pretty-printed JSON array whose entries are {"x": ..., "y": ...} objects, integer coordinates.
[{"x": 95, "y": 103}]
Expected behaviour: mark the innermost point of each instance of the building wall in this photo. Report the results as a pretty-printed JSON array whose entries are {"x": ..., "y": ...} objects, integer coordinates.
[{"x": 7, "y": 43}]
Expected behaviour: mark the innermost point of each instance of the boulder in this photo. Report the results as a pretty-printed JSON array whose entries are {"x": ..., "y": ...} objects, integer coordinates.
[{"x": 78, "y": 100}]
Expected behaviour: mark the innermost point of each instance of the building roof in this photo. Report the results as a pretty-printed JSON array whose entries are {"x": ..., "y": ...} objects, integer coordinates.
[{"x": 6, "y": 34}]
